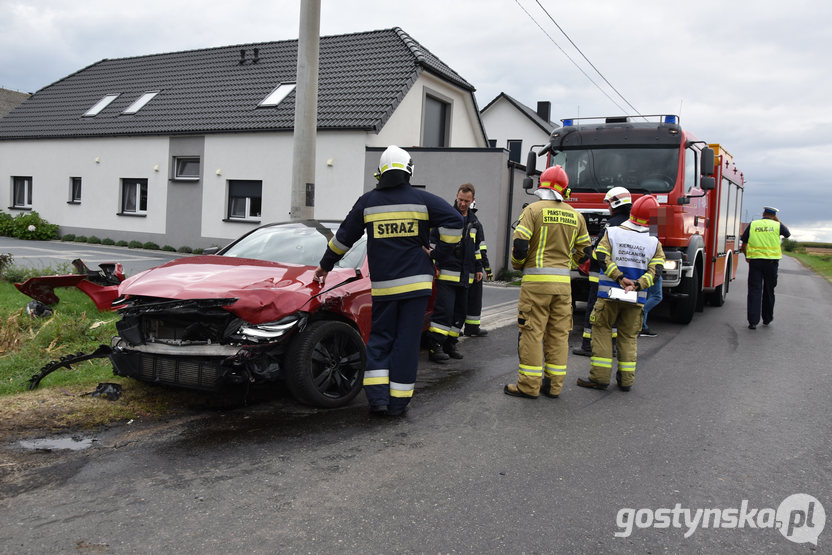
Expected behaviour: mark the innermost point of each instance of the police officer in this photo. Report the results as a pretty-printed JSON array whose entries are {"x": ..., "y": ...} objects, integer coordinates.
[
  {"x": 630, "y": 258},
  {"x": 619, "y": 201},
  {"x": 458, "y": 270},
  {"x": 549, "y": 234},
  {"x": 761, "y": 247},
  {"x": 397, "y": 219},
  {"x": 473, "y": 316}
]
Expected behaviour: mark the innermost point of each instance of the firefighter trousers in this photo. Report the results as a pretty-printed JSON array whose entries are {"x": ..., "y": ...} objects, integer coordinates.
[
  {"x": 448, "y": 313},
  {"x": 628, "y": 317},
  {"x": 393, "y": 351},
  {"x": 544, "y": 320},
  {"x": 474, "y": 308}
]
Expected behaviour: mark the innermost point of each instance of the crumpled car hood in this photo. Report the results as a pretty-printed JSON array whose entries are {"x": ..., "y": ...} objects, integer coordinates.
[{"x": 267, "y": 291}]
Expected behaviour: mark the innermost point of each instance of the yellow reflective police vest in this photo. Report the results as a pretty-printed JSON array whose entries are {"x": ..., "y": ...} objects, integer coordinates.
[{"x": 764, "y": 240}]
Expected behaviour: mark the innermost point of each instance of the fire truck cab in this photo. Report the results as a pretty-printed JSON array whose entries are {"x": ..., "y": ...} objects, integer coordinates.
[{"x": 698, "y": 187}]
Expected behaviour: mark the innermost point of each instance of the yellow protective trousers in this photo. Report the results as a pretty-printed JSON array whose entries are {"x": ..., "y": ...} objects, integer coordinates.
[
  {"x": 629, "y": 318},
  {"x": 544, "y": 319}
]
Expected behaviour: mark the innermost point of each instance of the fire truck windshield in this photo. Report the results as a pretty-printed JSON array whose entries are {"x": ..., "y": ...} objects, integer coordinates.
[{"x": 639, "y": 169}]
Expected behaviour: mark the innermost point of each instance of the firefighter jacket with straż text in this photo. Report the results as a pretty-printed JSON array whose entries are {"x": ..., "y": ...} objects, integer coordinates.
[
  {"x": 549, "y": 236},
  {"x": 459, "y": 265},
  {"x": 631, "y": 253},
  {"x": 397, "y": 219}
]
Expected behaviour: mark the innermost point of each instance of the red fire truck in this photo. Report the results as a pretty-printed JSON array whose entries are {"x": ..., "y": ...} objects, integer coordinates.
[{"x": 698, "y": 187}]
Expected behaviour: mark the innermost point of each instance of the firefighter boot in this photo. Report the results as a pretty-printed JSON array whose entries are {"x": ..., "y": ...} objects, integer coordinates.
[
  {"x": 551, "y": 387},
  {"x": 474, "y": 330},
  {"x": 449, "y": 348},
  {"x": 585, "y": 350},
  {"x": 527, "y": 386},
  {"x": 624, "y": 379},
  {"x": 435, "y": 350}
]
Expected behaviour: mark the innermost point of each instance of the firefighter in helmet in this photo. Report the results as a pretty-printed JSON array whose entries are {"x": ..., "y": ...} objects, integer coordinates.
[
  {"x": 397, "y": 219},
  {"x": 629, "y": 258},
  {"x": 620, "y": 202},
  {"x": 549, "y": 235}
]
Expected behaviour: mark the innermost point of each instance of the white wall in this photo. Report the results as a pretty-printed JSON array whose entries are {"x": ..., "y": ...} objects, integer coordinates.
[
  {"x": 404, "y": 128},
  {"x": 52, "y": 162},
  {"x": 503, "y": 121}
]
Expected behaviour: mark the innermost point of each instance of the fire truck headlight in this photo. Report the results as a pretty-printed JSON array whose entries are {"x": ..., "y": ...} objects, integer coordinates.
[{"x": 671, "y": 264}]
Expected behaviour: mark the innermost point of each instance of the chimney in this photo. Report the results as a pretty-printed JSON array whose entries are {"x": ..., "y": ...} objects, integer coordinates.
[
  {"x": 242, "y": 56},
  {"x": 256, "y": 56},
  {"x": 544, "y": 109}
]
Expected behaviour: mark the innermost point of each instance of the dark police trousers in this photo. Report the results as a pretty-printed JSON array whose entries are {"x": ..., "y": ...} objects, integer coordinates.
[{"x": 762, "y": 279}]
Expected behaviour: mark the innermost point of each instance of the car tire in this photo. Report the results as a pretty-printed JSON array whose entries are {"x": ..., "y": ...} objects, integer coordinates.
[{"x": 325, "y": 364}]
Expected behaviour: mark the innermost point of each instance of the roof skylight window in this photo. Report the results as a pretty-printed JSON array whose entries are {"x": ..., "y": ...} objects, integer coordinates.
[
  {"x": 100, "y": 105},
  {"x": 140, "y": 102},
  {"x": 278, "y": 94}
]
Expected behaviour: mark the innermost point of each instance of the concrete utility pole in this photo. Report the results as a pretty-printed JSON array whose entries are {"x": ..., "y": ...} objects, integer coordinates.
[{"x": 306, "y": 111}]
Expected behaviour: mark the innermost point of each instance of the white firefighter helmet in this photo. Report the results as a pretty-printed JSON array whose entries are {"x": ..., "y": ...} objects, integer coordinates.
[
  {"x": 395, "y": 158},
  {"x": 618, "y": 196}
]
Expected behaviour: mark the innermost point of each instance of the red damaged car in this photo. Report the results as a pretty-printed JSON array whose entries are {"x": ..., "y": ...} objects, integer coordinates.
[{"x": 251, "y": 313}]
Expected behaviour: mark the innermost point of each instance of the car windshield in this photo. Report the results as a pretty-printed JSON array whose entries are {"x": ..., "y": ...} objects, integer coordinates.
[
  {"x": 641, "y": 170},
  {"x": 294, "y": 243}
]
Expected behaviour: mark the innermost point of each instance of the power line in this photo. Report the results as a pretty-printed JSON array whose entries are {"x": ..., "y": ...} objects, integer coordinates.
[
  {"x": 585, "y": 58},
  {"x": 569, "y": 57}
]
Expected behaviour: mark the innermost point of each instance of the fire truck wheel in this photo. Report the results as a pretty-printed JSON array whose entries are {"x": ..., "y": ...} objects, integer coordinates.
[
  {"x": 682, "y": 311},
  {"x": 717, "y": 298}
]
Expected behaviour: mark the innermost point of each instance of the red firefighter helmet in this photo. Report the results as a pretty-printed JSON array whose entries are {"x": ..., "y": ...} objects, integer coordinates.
[
  {"x": 554, "y": 178},
  {"x": 642, "y": 209}
]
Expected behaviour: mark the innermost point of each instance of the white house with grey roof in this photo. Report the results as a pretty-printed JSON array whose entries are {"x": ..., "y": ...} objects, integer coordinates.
[
  {"x": 516, "y": 127},
  {"x": 195, "y": 148}
]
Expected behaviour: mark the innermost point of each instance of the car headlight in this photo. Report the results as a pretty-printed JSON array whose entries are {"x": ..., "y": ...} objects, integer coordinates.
[
  {"x": 671, "y": 264},
  {"x": 269, "y": 330}
]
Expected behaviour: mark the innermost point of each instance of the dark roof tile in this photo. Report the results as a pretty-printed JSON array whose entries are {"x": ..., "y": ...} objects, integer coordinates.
[{"x": 361, "y": 80}]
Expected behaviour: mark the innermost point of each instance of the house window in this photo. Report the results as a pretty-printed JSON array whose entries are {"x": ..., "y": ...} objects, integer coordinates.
[
  {"x": 515, "y": 150},
  {"x": 22, "y": 192},
  {"x": 186, "y": 167},
  {"x": 278, "y": 94},
  {"x": 100, "y": 105},
  {"x": 75, "y": 190},
  {"x": 244, "y": 199},
  {"x": 436, "y": 122},
  {"x": 134, "y": 196},
  {"x": 140, "y": 102}
]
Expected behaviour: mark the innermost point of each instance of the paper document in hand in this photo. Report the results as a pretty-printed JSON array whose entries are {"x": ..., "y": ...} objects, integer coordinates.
[{"x": 621, "y": 295}]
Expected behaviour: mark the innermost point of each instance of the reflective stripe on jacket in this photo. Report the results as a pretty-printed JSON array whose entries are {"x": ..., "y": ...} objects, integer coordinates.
[
  {"x": 632, "y": 254},
  {"x": 556, "y": 235},
  {"x": 764, "y": 240},
  {"x": 397, "y": 221}
]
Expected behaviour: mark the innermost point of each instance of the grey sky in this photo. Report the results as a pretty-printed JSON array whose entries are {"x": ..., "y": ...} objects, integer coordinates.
[{"x": 751, "y": 75}]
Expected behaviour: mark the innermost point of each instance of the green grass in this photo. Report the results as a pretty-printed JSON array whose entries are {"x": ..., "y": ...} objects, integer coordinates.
[
  {"x": 822, "y": 264},
  {"x": 27, "y": 344}
]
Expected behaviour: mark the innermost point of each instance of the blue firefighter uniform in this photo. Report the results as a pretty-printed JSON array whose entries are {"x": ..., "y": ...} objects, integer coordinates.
[
  {"x": 457, "y": 272},
  {"x": 397, "y": 219},
  {"x": 473, "y": 312}
]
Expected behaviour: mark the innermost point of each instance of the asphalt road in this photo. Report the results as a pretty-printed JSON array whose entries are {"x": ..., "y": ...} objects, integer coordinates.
[
  {"x": 721, "y": 419},
  {"x": 53, "y": 254}
]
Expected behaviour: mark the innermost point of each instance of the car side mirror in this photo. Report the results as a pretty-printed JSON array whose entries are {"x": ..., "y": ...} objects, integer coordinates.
[
  {"x": 528, "y": 183},
  {"x": 707, "y": 183},
  {"x": 211, "y": 250}
]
